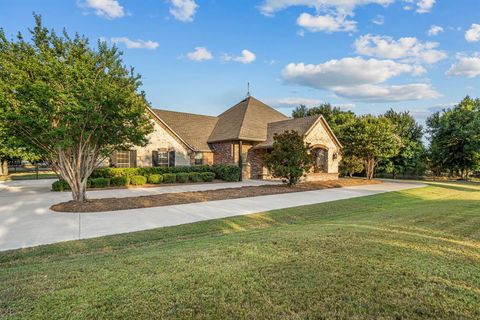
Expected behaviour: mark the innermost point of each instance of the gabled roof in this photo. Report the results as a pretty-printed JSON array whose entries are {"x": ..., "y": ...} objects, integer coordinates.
[
  {"x": 301, "y": 125},
  {"x": 194, "y": 129},
  {"x": 246, "y": 120}
]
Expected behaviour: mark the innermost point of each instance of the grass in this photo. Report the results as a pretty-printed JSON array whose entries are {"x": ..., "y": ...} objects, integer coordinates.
[
  {"x": 29, "y": 176},
  {"x": 413, "y": 254}
]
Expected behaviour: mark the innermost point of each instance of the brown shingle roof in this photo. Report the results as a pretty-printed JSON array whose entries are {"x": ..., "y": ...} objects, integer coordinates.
[
  {"x": 247, "y": 120},
  {"x": 300, "y": 125},
  {"x": 194, "y": 129}
]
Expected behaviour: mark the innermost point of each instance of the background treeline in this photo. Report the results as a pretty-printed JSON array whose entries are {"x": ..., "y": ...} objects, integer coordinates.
[{"x": 394, "y": 144}]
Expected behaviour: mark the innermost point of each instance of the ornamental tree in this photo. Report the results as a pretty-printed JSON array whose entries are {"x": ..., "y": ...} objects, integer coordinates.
[
  {"x": 371, "y": 139},
  {"x": 290, "y": 157},
  {"x": 71, "y": 103}
]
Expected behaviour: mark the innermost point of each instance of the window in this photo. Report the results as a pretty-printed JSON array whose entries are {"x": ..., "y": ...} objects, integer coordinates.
[
  {"x": 320, "y": 160},
  {"x": 163, "y": 158},
  {"x": 123, "y": 159},
  {"x": 198, "y": 158}
]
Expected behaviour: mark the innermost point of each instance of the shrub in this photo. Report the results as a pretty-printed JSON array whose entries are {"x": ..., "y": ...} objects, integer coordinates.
[
  {"x": 100, "y": 182},
  {"x": 120, "y": 181},
  {"x": 155, "y": 178},
  {"x": 194, "y": 177},
  {"x": 115, "y": 172},
  {"x": 169, "y": 177},
  {"x": 207, "y": 176},
  {"x": 60, "y": 185},
  {"x": 182, "y": 177},
  {"x": 138, "y": 180},
  {"x": 227, "y": 172}
]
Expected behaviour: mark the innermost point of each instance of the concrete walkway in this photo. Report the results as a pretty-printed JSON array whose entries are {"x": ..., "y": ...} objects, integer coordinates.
[{"x": 25, "y": 218}]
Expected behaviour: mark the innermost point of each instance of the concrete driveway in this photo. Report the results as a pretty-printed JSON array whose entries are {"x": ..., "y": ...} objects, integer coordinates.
[{"x": 25, "y": 218}]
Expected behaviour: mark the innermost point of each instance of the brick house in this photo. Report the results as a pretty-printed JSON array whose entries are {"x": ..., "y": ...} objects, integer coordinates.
[{"x": 240, "y": 136}]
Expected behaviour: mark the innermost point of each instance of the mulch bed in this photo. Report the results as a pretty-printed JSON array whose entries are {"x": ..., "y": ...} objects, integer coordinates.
[{"x": 167, "y": 199}]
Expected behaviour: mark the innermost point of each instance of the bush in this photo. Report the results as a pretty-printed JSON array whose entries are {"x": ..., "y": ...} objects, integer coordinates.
[
  {"x": 207, "y": 176},
  {"x": 138, "y": 180},
  {"x": 155, "y": 179},
  {"x": 120, "y": 181},
  {"x": 194, "y": 177},
  {"x": 60, "y": 185},
  {"x": 115, "y": 172},
  {"x": 100, "y": 182},
  {"x": 226, "y": 172},
  {"x": 182, "y": 177},
  {"x": 169, "y": 177}
]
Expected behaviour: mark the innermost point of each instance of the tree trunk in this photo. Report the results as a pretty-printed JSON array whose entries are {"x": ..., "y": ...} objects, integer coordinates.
[{"x": 3, "y": 168}]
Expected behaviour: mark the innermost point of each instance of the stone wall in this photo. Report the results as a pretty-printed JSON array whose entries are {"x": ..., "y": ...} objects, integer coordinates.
[
  {"x": 223, "y": 152},
  {"x": 320, "y": 137}
]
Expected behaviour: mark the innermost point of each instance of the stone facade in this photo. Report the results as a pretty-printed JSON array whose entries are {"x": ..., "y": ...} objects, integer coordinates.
[
  {"x": 319, "y": 137},
  {"x": 223, "y": 152}
]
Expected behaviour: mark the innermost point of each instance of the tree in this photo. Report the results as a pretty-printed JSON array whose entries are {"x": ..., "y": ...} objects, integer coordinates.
[
  {"x": 371, "y": 139},
  {"x": 455, "y": 138},
  {"x": 72, "y": 104},
  {"x": 412, "y": 151},
  {"x": 290, "y": 157},
  {"x": 351, "y": 164}
]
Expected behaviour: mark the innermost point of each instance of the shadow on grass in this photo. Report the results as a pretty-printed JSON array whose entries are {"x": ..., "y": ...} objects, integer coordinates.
[{"x": 459, "y": 186}]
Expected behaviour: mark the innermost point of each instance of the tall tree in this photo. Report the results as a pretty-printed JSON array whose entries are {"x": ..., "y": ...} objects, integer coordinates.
[
  {"x": 455, "y": 138},
  {"x": 73, "y": 104},
  {"x": 410, "y": 156},
  {"x": 290, "y": 157},
  {"x": 371, "y": 139}
]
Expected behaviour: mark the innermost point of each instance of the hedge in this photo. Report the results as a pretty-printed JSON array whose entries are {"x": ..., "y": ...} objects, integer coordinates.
[
  {"x": 155, "y": 178},
  {"x": 120, "y": 181},
  {"x": 194, "y": 177},
  {"x": 99, "y": 182},
  {"x": 182, "y": 177},
  {"x": 226, "y": 172},
  {"x": 60, "y": 185},
  {"x": 138, "y": 180},
  {"x": 207, "y": 176},
  {"x": 169, "y": 177}
]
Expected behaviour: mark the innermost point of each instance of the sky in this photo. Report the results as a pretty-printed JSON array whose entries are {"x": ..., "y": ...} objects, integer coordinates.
[{"x": 362, "y": 55}]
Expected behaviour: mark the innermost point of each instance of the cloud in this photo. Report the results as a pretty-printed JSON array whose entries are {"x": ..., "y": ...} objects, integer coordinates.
[
  {"x": 109, "y": 9},
  {"x": 330, "y": 15},
  {"x": 245, "y": 58},
  {"x": 473, "y": 34},
  {"x": 467, "y": 66},
  {"x": 183, "y": 10},
  {"x": 434, "y": 30},
  {"x": 407, "y": 49},
  {"x": 360, "y": 79},
  {"x": 136, "y": 44},
  {"x": 200, "y": 54},
  {"x": 327, "y": 23},
  {"x": 389, "y": 93},
  {"x": 423, "y": 6},
  {"x": 292, "y": 102},
  {"x": 379, "y": 20}
]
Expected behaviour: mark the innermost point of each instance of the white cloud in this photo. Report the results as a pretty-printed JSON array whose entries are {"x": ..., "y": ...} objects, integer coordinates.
[
  {"x": 434, "y": 30},
  {"x": 245, "y": 58},
  {"x": 423, "y": 6},
  {"x": 360, "y": 79},
  {"x": 183, "y": 10},
  {"x": 136, "y": 44},
  {"x": 294, "y": 102},
  {"x": 109, "y": 9},
  {"x": 389, "y": 93},
  {"x": 379, "y": 20},
  {"x": 269, "y": 7},
  {"x": 327, "y": 23},
  {"x": 473, "y": 34},
  {"x": 468, "y": 66},
  {"x": 200, "y": 54},
  {"x": 407, "y": 49}
]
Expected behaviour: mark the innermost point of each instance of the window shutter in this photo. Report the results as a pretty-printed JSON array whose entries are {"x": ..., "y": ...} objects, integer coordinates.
[
  {"x": 133, "y": 158},
  {"x": 171, "y": 159},
  {"x": 155, "y": 159}
]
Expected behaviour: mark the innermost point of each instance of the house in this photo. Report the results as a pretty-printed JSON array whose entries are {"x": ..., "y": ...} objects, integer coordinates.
[{"x": 240, "y": 135}]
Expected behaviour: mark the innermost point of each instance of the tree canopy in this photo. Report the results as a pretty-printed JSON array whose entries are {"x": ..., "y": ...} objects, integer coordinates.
[{"x": 70, "y": 103}]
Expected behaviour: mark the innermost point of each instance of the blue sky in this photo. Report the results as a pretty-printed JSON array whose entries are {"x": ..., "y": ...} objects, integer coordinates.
[{"x": 365, "y": 55}]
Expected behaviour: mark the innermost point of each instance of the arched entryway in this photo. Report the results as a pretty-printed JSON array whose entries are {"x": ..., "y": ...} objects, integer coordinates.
[{"x": 320, "y": 159}]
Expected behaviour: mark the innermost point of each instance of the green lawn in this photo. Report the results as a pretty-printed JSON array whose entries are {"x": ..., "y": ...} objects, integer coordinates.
[
  {"x": 405, "y": 255},
  {"x": 29, "y": 176}
]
